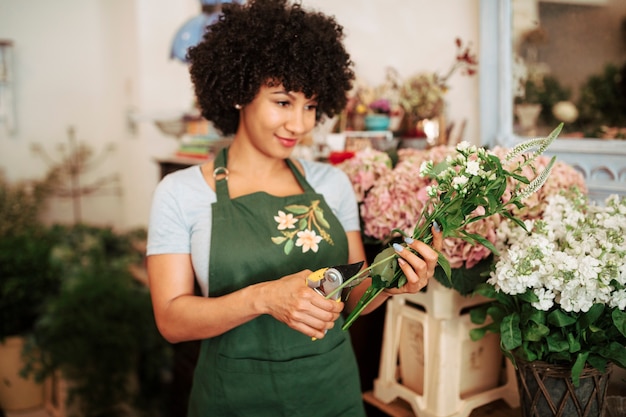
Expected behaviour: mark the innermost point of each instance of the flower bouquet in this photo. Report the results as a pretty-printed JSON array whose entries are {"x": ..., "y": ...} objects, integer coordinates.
[
  {"x": 465, "y": 188},
  {"x": 392, "y": 197},
  {"x": 559, "y": 292}
]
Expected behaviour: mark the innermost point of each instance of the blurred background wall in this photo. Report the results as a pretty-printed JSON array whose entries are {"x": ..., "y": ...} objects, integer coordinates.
[{"x": 102, "y": 68}]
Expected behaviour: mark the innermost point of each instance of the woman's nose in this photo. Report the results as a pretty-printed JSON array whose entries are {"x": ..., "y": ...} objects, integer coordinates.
[{"x": 300, "y": 121}]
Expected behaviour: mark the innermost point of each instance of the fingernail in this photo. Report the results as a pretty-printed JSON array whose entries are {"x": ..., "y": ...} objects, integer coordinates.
[
  {"x": 397, "y": 247},
  {"x": 408, "y": 240},
  {"x": 437, "y": 227}
]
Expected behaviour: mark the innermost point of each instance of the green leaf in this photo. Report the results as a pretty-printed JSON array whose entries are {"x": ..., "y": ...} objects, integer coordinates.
[
  {"x": 319, "y": 215},
  {"x": 478, "y": 333},
  {"x": 486, "y": 290},
  {"x": 480, "y": 239},
  {"x": 619, "y": 320},
  {"x": 535, "y": 332},
  {"x": 578, "y": 367},
  {"x": 559, "y": 318},
  {"x": 478, "y": 315},
  {"x": 297, "y": 209},
  {"x": 288, "y": 247},
  {"x": 385, "y": 264},
  {"x": 615, "y": 352},
  {"x": 510, "y": 333},
  {"x": 531, "y": 314},
  {"x": 302, "y": 224},
  {"x": 463, "y": 280},
  {"x": 574, "y": 343},
  {"x": 556, "y": 343},
  {"x": 278, "y": 239}
]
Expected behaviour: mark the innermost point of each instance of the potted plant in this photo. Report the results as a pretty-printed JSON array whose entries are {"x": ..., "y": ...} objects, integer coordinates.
[
  {"x": 99, "y": 332},
  {"x": 27, "y": 280},
  {"x": 559, "y": 295},
  {"x": 422, "y": 96}
]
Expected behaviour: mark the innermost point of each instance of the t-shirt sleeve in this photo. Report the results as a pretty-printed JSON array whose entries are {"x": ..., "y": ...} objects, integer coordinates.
[
  {"x": 337, "y": 190},
  {"x": 168, "y": 231},
  {"x": 348, "y": 211}
]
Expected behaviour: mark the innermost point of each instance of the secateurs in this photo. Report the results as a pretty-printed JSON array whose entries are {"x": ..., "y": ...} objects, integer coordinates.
[{"x": 327, "y": 280}]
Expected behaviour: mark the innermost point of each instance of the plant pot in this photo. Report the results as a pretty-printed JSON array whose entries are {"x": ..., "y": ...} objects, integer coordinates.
[
  {"x": 527, "y": 116},
  {"x": 547, "y": 390},
  {"x": 377, "y": 122},
  {"x": 16, "y": 392}
]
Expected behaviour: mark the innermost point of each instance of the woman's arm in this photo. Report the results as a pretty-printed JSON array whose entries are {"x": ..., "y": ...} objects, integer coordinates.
[{"x": 180, "y": 315}]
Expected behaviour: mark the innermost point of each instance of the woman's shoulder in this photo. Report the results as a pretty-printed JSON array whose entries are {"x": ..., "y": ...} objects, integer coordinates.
[
  {"x": 315, "y": 171},
  {"x": 186, "y": 177},
  {"x": 184, "y": 182}
]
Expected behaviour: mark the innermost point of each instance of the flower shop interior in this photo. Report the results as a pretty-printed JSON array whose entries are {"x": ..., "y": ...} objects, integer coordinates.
[{"x": 96, "y": 106}]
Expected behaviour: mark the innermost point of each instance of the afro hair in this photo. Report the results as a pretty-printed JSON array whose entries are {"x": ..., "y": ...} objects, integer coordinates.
[{"x": 269, "y": 42}]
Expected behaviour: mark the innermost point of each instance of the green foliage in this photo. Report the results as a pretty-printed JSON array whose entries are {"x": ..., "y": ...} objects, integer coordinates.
[
  {"x": 597, "y": 336},
  {"x": 465, "y": 280},
  {"x": 100, "y": 331},
  {"x": 27, "y": 279},
  {"x": 603, "y": 100},
  {"x": 547, "y": 92}
]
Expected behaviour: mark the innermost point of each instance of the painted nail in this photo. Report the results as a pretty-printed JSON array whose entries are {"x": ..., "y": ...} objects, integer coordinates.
[
  {"x": 397, "y": 247},
  {"x": 408, "y": 240},
  {"x": 437, "y": 227}
]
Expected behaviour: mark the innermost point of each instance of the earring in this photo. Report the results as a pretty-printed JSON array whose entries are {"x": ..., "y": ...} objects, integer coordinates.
[{"x": 238, "y": 106}]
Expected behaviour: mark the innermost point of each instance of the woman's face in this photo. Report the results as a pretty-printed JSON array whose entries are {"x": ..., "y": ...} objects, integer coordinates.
[{"x": 277, "y": 120}]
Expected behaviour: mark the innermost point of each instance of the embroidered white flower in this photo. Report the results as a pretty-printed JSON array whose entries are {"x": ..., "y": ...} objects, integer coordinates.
[
  {"x": 285, "y": 221},
  {"x": 308, "y": 240}
]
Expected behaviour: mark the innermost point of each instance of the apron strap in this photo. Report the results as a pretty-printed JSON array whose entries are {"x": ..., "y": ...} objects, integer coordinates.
[
  {"x": 220, "y": 174},
  {"x": 296, "y": 172}
]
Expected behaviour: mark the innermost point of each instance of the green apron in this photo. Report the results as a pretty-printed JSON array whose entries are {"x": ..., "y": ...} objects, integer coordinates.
[{"x": 263, "y": 367}]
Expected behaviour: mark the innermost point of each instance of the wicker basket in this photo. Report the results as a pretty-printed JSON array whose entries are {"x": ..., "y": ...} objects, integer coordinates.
[
  {"x": 547, "y": 390},
  {"x": 615, "y": 406}
]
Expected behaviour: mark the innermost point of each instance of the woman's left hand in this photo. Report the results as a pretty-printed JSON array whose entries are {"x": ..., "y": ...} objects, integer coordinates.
[{"x": 418, "y": 264}]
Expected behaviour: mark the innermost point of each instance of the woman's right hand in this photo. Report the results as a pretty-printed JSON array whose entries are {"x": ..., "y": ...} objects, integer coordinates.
[{"x": 294, "y": 303}]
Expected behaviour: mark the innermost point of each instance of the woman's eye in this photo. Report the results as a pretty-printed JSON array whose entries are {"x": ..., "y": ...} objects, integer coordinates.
[
  {"x": 283, "y": 103},
  {"x": 311, "y": 107}
]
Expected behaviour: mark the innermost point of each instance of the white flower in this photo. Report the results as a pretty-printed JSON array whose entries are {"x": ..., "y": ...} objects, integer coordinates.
[
  {"x": 308, "y": 239},
  {"x": 572, "y": 257},
  {"x": 459, "y": 181},
  {"x": 285, "y": 221},
  {"x": 473, "y": 168},
  {"x": 463, "y": 146},
  {"x": 425, "y": 168},
  {"x": 546, "y": 299}
]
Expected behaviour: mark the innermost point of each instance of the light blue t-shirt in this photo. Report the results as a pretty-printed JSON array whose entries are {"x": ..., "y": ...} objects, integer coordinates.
[{"x": 180, "y": 217}]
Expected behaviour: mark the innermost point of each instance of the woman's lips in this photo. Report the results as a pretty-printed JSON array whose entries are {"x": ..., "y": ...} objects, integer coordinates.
[{"x": 287, "y": 142}]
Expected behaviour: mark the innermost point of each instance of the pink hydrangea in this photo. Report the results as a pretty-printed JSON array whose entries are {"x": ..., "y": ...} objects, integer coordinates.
[
  {"x": 365, "y": 168},
  {"x": 398, "y": 198}
]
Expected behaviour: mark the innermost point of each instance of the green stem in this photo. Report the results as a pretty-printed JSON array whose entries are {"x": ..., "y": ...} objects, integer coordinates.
[
  {"x": 367, "y": 298},
  {"x": 362, "y": 272}
]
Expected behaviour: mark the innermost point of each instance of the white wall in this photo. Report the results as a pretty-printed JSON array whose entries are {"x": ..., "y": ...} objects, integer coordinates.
[{"x": 88, "y": 63}]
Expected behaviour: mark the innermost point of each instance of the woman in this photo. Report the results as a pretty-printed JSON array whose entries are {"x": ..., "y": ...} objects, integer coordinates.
[{"x": 251, "y": 225}]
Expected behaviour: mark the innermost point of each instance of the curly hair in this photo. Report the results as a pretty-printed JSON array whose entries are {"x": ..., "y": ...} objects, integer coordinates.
[{"x": 269, "y": 42}]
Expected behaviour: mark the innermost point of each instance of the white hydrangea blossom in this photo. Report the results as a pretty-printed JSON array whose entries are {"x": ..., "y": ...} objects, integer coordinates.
[{"x": 575, "y": 256}]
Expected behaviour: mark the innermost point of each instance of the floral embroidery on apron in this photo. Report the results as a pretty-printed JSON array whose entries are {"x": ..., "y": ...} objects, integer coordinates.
[{"x": 302, "y": 226}]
